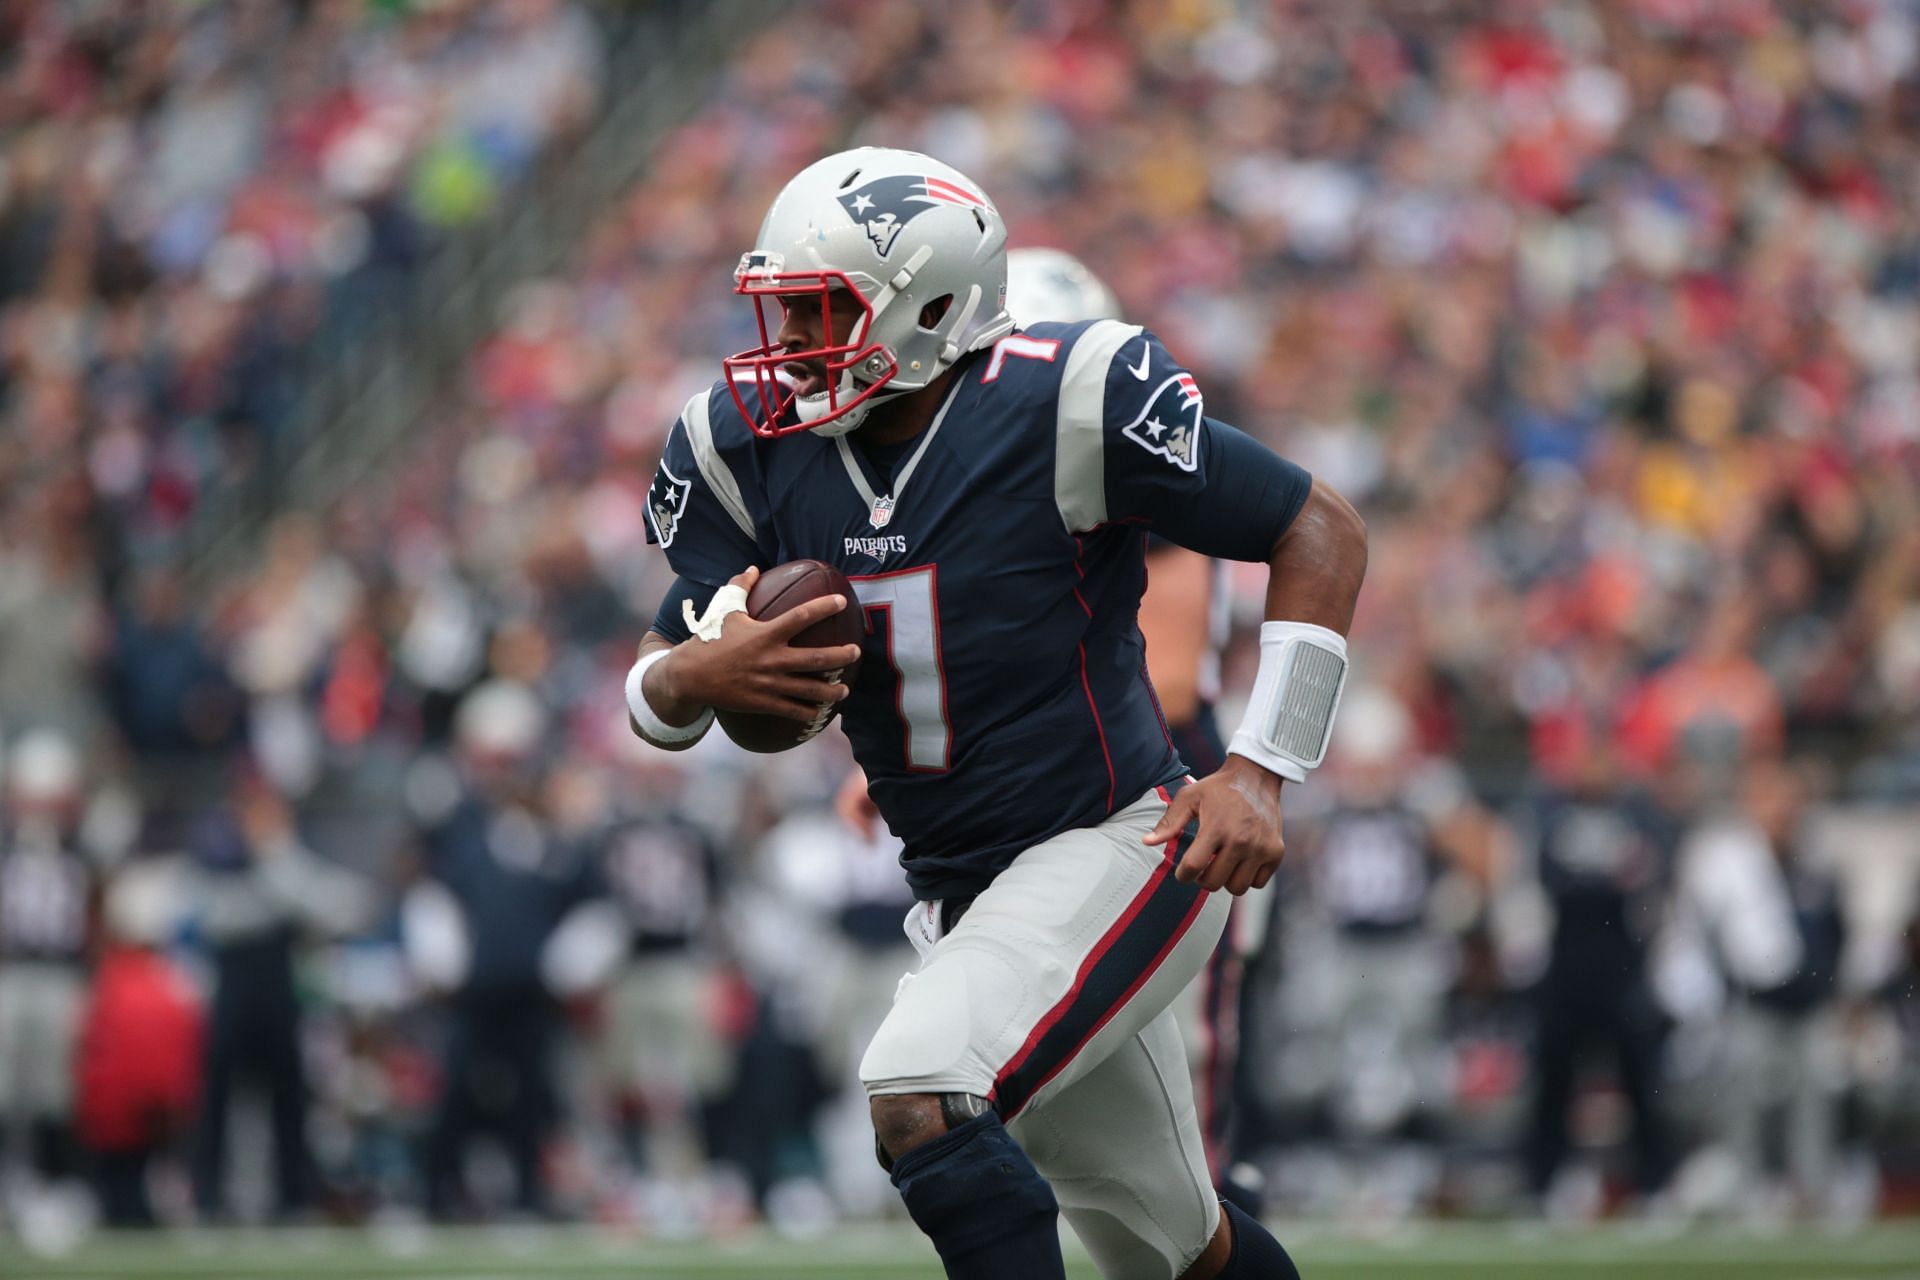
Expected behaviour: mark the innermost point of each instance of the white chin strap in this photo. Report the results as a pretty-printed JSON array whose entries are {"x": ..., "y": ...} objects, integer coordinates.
[{"x": 813, "y": 407}]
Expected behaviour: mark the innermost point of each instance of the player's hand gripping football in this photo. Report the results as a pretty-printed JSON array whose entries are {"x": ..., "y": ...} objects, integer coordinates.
[
  {"x": 1238, "y": 846},
  {"x": 752, "y": 667}
]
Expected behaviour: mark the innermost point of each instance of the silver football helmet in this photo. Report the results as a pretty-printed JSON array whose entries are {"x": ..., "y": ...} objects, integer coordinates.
[
  {"x": 898, "y": 230},
  {"x": 1052, "y": 284}
]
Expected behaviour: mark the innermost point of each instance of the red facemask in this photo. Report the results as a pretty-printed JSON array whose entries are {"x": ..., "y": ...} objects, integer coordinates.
[{"x": 761, "y": 366}]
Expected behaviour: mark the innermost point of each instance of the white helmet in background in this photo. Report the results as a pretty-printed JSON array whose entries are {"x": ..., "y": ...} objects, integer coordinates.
[
  {"x": 1052, "y": 284},
  {"x": 501, "y": 719},
  {"x": 44, "y": 768},
  {"x": 898, "y": 230}
]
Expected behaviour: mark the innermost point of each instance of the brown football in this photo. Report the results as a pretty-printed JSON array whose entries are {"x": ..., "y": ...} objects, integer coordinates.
[{"x": 779, "y": 589}]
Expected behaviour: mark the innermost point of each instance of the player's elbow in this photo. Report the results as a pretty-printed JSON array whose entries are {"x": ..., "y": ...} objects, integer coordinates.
[
  {"x": 1350, "y": 530},
  {"x": 1330, "y": 531}
]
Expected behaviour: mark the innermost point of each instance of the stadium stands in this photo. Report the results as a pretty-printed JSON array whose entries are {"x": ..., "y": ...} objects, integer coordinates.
[{"x": 1605, "y": 314}]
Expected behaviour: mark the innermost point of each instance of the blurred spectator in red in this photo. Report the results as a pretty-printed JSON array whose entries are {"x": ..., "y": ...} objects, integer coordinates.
[{"x": 138, "y": 1069}]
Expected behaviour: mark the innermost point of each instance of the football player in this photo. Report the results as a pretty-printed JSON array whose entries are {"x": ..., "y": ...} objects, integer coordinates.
[
  {"x": 986, "y": 492},
  {"x": 1183, "y": 619}
]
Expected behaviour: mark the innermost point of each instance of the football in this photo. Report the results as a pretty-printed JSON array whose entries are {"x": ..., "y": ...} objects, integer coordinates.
[{"x": 779, "y": 589}]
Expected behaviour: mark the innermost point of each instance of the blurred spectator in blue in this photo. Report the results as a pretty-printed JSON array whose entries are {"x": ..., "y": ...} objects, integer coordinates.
[
  {"x": 260, "y": 891},
  {"x": 1601, "y": 851},
  {"x": 500, "y": 885},
  {"x": 169, "y": 692},
  {"x": 1891, "y": 1049}
]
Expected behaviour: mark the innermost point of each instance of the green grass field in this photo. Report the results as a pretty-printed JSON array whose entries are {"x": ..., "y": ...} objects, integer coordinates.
[{"x": 1422, "y": 1252}]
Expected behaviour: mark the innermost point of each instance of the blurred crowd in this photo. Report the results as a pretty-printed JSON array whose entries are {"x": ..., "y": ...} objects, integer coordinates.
[
  {"x": 1605, "y": 315},
  {"x": 198, "y": 202}
]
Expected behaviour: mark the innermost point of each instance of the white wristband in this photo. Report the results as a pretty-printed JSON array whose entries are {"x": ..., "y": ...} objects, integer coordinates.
[
  {"x": 1289, "y": 718},
  {"x": 648, "y": 719}
]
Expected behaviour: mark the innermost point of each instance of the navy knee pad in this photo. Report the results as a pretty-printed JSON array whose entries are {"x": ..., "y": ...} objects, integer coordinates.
[
  {"x": 1256, "y": 1254},
  {"x": 986, "y": 1208}
]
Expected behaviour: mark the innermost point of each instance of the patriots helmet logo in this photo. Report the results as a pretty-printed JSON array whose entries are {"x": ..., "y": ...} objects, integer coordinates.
[
  {"x": 886, "y": 205},
  {"x": 666, "y": 503}
]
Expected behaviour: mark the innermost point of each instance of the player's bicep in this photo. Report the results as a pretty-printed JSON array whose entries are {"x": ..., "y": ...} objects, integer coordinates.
[{"x": 1247, "y": 499}]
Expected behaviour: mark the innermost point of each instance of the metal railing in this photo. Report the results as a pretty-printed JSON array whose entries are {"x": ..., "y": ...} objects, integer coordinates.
[{"x": 360, "y": 396}]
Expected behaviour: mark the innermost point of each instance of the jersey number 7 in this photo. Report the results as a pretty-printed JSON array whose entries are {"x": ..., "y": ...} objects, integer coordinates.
[{"x": 910, "y": 600}]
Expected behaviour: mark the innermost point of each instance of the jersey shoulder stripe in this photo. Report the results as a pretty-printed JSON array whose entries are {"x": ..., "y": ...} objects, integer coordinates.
[
  {"x": 698, "y": 419},
  {"x": 1079, "y": 464}
]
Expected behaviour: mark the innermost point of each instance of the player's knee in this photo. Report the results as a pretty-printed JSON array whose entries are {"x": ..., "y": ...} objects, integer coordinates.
[
  {"x": 1242, "y": 1249},
  {"x": 903, "y": 1121}
]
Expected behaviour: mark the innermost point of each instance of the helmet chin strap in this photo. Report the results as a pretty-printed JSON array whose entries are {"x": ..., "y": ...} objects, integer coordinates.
[{"x": 813, "y": 406}]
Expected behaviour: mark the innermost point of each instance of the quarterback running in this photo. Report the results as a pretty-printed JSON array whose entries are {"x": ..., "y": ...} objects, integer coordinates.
[{"x": 989, "y": 491}]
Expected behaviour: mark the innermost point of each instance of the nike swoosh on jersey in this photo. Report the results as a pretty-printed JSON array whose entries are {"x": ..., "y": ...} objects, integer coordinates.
[{"x": 1146, "y": 358}]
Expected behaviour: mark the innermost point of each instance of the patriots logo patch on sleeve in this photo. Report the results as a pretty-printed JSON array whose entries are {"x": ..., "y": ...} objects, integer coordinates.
[
  {"x": 885, "y": 205},
  {"x": 1169, "y": 426},
  {"x": 666, "y": 503}
]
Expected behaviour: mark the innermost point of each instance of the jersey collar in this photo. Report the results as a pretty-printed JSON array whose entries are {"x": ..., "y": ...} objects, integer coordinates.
[{"x": 858, "y": 475}]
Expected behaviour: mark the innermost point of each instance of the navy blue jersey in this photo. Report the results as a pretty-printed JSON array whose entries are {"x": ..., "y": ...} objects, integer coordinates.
[
  {"x": 665, "y": 874},
  {"x": 999, "y": 556}
]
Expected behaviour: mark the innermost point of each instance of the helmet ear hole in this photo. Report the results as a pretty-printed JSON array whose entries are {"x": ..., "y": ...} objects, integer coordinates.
[{"x": 936, "y": 311}]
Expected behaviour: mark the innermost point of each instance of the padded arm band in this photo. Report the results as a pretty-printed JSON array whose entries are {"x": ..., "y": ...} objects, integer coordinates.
[
  {"x": 1295, "y": 696},
  {"x": 1251, "y": 496}
]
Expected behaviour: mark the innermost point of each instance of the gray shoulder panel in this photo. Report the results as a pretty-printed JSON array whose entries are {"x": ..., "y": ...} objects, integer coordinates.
[
  {"x": 713, "y": 468},
  {"x": 1079, "y": 462}
]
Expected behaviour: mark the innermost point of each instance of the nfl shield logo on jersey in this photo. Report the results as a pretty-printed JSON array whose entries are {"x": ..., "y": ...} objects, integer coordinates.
[{"x": 882, "y": 512}]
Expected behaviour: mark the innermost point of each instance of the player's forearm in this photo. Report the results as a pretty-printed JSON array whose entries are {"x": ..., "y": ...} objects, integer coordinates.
[
  {"x": 662, "y": 694},
  {"x": 1319, "y": 563},
  {"x": 1317, "y": 567}
]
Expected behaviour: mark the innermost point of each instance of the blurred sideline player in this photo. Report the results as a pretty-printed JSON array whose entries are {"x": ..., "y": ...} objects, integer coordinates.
[
  {"x": 47, "y": 899},
  {"x": 985, "y": 490},
  {"x": 662, "y": 1049},
  {"x": 1183, "y": 617}
]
